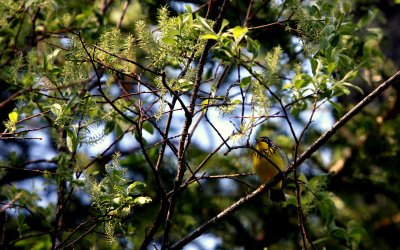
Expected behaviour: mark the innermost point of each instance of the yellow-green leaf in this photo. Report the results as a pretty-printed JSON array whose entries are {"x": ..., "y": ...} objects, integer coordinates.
[
  {"x": 239, "y": 32},
  {"x": 142, "y": 200},
  {"x": 209, "y": 37},
  {"x": 13, "y": 116}
]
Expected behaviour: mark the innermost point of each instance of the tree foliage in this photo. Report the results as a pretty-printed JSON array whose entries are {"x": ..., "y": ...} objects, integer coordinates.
[{"x": 131, "y": 124}]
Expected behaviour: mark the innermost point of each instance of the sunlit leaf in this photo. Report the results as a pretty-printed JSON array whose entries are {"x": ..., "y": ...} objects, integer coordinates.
[
  {"x": 209, "y": 36},
  {"x": 13, "y": 116},
  {"x": 245, "y": 81},
  {"x": 136, "y": 188},
  {"x": 239, "y": 32},
  {"x": 142, "y": 200}
]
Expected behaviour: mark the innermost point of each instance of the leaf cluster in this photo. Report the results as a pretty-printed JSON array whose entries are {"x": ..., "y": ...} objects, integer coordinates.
[
  {"x": 176, "y": 41},
  {"x": 113, "y": 196}
]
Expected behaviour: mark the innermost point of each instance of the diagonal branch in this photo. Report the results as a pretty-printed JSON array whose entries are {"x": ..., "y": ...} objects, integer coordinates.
[{"x": 228, "y": 211}]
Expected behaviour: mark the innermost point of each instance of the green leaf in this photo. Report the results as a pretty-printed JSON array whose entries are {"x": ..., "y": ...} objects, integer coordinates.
[
  {"x": 345, "y": 61},
  {"x": 353, "y": 86},
  {"x": 239, "y": 32},
  {"x": 349, "y": 76},
  {"x": 204, "y": 24},
  {"x": 368, "y": 18},
  {"x": 109, "y": 126},
  {"x": 327, "y": 7},
  {"x": 55, "y": 71},
  {"x": 336, "y": 106},
  {"x": 355, "y": 232},
  {"x": 168, "y": 41},
  {"x": 343, "y": 89},
  {"x": 327, "y": 211},
  {"x": 223, "y": 25},
  {"x": 28, "y": 79},
  {"x": 204, "y": 105},
  {"x": 291, "y": 200},
  {"x": 315, "y": 66},
  {"x": 245, "y": 81},
  {"x": 329, "y": 30},
  {"x": 188, "y": 9},
  {"x": 72, "y": 140},
  {"x": 339, "y": 233},
  {"x": 56, "y": 109},
  {"x": 28, "y": 3},
  {"x": 45, "y": 63},
  {"x": 148, "y": 127},
  {"x": 346, "y": 28},
  {"x": 314, "y": 11},
  {"x": 331, "y": 67},
  {"x": 335, "y": 41},
  {"x": 209, "y": 36},
  {"x": 324, "y": 44},
  {"x": 116, "y": 201},
  {"x": 223, "y": 55},
  {"x": 71, "y": 103},
  {"x": 120, "y": 189},
  {"x": 21, "y": 219},
  {"x": 287, "y": 86},
  {"x": 136, "y": 188},
  {"x": 118, "y": 130},
  {"x": 13, "y": 116},
  {"x": 79, "y": 183},
  {"x": 321, "y": 240},
  {"x": 54, "y": 54},
  {"x": 332, "y": 55},
  {"x": 298, "y": 83},
  {"x": 185, "y": 85},
  {"x": 236, "y": 102},
  {"x": 253, "y": 46},
  {"x": 295, "y": 110},
  {"x": 346, "y": 6},
  {"x": 22, "y": 226},
  {"x": 142, "y": 200}
]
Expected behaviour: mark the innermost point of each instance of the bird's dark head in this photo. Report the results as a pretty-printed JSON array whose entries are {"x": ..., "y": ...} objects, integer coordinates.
[{"x": 264, "y": 139}]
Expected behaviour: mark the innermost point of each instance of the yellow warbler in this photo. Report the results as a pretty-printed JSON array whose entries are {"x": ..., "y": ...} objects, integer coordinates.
[{"x": 266, "y": 169}]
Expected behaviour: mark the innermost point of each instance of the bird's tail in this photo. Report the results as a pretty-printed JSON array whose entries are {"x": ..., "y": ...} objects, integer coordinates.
[{"x": 277, "y": 195}]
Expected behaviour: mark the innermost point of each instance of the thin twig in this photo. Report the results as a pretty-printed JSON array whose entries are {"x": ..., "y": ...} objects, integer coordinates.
[
  {"x": 205, "y": 160},
  {"x": 127, "y": 60},
  {"x": 81, "y": 225},
  {"x": 13, "y": 96},
  {"x": 127, "y": 2},
  {"x": 222, "y": 176},
  {"x": 39, "y": 171},
  {"x": 11, "y": 202},
  {"x": 80, "y": 237},
  {"x": 247, "y": 19},
  {"x": 304, "y": 234}
]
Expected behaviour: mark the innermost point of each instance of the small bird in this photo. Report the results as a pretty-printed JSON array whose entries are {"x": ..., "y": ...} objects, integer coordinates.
[{"x": 266, "y": 169}]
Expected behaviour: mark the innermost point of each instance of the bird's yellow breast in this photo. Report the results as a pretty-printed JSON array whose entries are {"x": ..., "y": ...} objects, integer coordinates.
[{"x": 264, "y": 168}]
